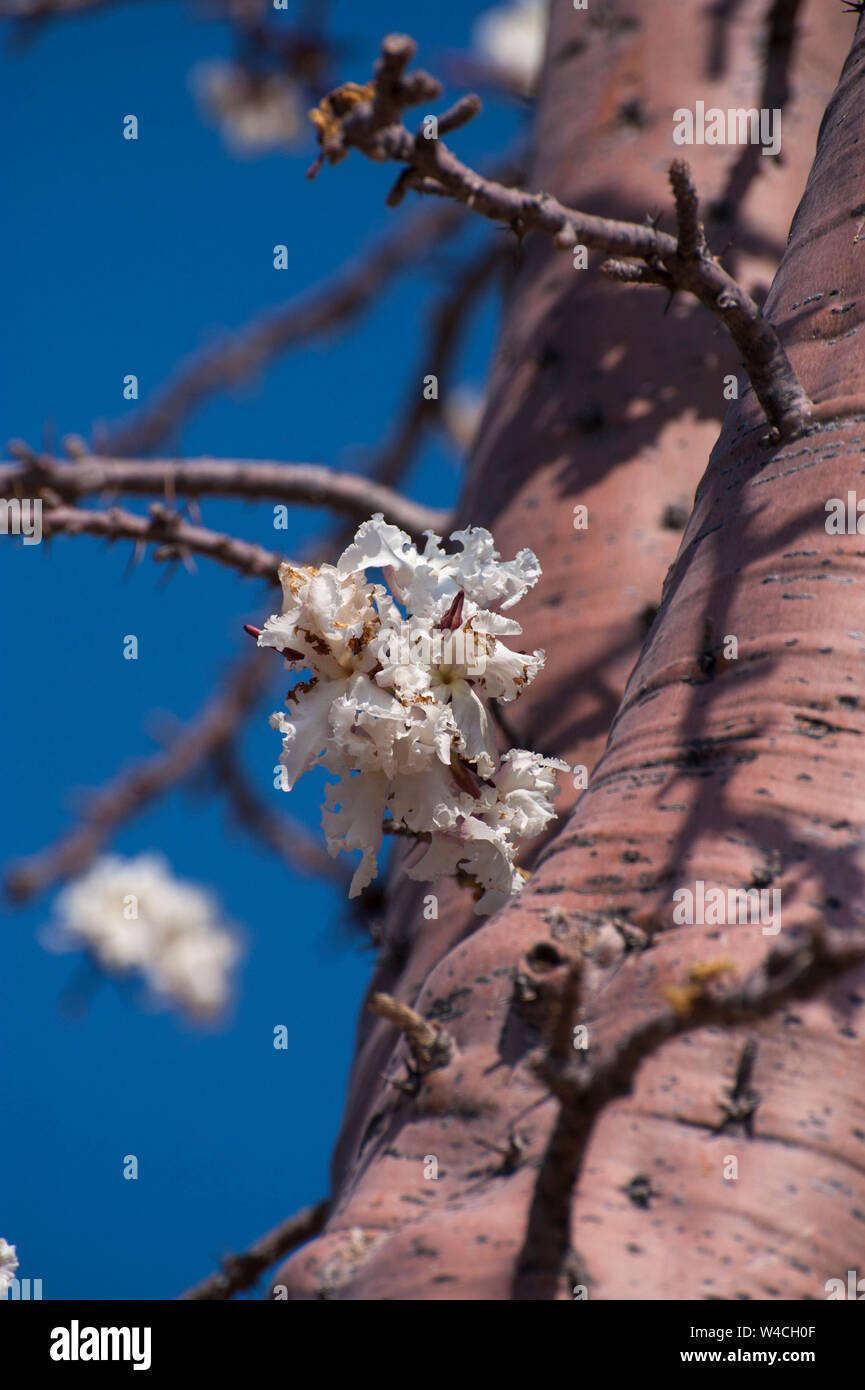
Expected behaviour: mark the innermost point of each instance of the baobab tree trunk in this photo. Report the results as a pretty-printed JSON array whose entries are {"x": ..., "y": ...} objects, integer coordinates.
[{"x": 735, "y": 754}]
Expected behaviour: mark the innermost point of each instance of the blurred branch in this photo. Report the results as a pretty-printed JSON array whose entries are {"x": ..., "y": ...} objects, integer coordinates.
[
  {"x": 174, "y": 537},
  {"x": 49, "y": 9},
  {"x": 131, "y": 792},
  {"x": 373, "y": 123},
  {"x": 308, "y": 484},
  {"x": 290, "y": 841},
  {"x": 241, "y": 1271},
  {"x": 448, "y": 319},
  {"x": 229, "y": 362}
]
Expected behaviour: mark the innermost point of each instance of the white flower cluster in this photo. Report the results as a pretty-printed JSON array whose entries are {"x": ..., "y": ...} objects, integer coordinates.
[
  {"x": 8, "y": 1264},
  {"x": 395, "y": 704},
  {"x": 134, "y": 916}
]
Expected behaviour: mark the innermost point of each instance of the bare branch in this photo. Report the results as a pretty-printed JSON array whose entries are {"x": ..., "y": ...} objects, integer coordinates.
[
  {"x": 459, "y": 114},
  {"x": 692, "y": 235},
  {"x": 134, "y": 790},
  {"x": 375, "y": 127},
  {"x": 238, "y": 357},
  {"x": 173, "y": 536},
  {"x": 308, "y": 484},
  {"x": 795, "y": 968},
  {"x": 448, "y": 319},
  {"x": 240, "y": 1272},
  {"x": 48, "y": 9}
]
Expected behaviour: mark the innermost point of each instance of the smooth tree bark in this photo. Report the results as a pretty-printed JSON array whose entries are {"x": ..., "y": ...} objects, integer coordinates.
[{"x": 727, "y": 1161}]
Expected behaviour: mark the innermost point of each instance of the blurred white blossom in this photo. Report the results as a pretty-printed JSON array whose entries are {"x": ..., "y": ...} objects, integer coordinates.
[
  {"x": 135, "y": 917},
  {"x": 461, "y": 414},
  {"x": 396, "y": 706},
  {"x": 255, "y": 112},
  {"x": 8, "y": 1264},
  {"x": 510, "y": 39}
]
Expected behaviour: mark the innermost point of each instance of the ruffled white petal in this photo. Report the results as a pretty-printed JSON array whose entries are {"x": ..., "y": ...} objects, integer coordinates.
[
  {"x": 352, "y": 819},
  {"x": 397, "y": 706}
]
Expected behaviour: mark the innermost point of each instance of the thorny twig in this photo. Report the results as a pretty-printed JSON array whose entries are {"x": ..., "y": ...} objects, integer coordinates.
[
  {"x": 309, "y": 484},
  {"x": 375, "y": 126},
  {"x": 240, "y": 1272},
  {"x": 166, "y": 529}
]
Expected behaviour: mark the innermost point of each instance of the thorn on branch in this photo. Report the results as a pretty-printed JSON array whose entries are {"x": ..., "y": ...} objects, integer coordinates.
[
  {"x": 742, "y": 1100},
  {"x": 513, "y": 1156},
  {"x": 403, "y": 184}
]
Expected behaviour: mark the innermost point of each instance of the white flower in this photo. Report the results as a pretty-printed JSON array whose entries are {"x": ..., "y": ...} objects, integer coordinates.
[
  {"x": 477, "y": 833},
  {"x": 255, "y": 112},
  {"x": 133, "y": 916},
  {"x": 461, "y": 413},
  {"x": 8, "y": 1264},
  {"x": 511, "y": 39},
  {"x": 396, "y": 703}
]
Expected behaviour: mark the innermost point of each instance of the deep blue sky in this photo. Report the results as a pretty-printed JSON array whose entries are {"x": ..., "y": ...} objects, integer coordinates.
[{"x": 123, "y": 257}]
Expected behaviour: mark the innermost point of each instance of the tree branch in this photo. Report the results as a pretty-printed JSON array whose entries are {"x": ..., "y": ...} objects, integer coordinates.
[
  {"x": 448, "y": 318},
  {"x": 241, "y": 1271},
  {"x": 169, "y": 532},
  {"x": 795, "y": 968},
  {"x": 289, "y": 839},
  {"x": 132, "y": 791},
  {"x": 375, "y": 127},
  {"x": 244, "y": 352},
  {"x": 308, "y": 484},
  {"x": 48, "y": 9}
]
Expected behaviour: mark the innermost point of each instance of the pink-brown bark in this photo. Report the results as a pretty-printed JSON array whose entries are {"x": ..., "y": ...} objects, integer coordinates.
[{"x": 734, "y": 772}]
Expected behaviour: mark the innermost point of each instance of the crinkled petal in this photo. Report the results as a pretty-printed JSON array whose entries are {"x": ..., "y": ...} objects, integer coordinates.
[
  {"x": 378, "y": 544},
  {"x": 305, "y": 730},
  {"x": 367, "y": 723},
  {"x": 487, "y": 580},
  {"x": 505, "y": 673},
  {"x": 352, "y": 819},
  {"x": 472, "y": 721}
]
